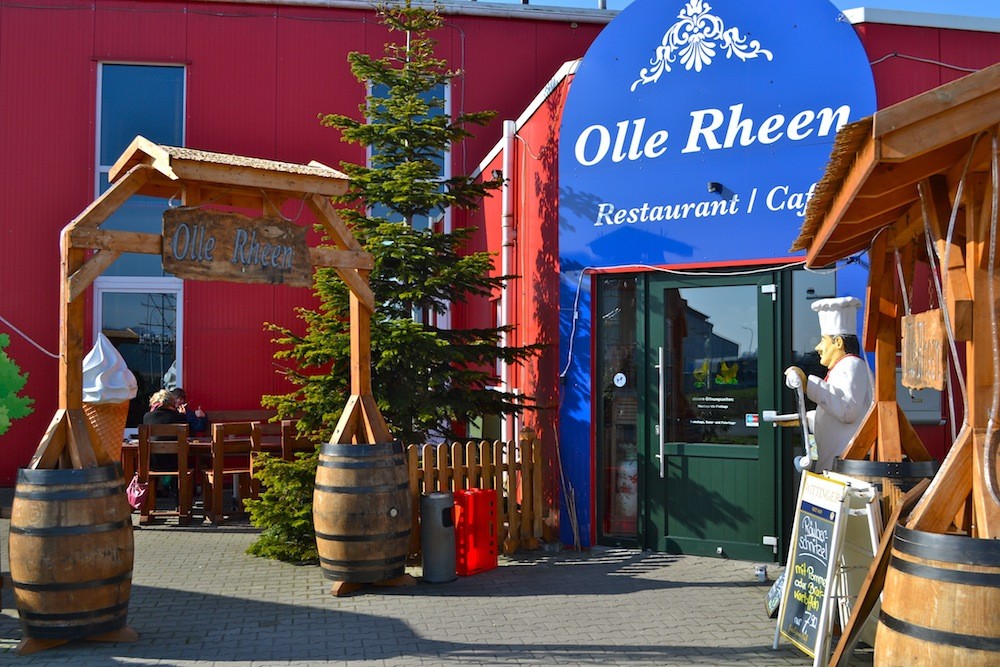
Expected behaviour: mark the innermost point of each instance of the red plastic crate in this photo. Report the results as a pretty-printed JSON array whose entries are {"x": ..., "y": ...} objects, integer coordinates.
[{"x": 475, "y": 531}]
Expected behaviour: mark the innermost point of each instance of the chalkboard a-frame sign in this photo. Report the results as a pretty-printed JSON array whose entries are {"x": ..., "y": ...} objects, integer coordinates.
[{"x": 805, "y": 607}]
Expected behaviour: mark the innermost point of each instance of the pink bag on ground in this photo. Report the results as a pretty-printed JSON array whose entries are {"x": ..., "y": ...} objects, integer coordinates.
[{"x": 136, "y": 492}]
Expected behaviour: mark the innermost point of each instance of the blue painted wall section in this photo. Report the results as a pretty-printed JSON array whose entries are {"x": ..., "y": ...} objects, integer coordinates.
[{"x": 693, "y": 132}]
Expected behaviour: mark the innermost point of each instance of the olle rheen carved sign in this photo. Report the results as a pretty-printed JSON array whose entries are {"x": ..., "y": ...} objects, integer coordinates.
[{"x": 215, "y": 245}]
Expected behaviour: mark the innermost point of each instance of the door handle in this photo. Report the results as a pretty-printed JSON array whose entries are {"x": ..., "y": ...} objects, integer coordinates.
[{"x": 659, "y": 408}]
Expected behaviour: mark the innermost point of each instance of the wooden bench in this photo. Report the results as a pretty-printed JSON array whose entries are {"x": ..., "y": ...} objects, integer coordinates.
[
  {"x": 270, "y": 431},
  {"x": 280, "y": 438}
]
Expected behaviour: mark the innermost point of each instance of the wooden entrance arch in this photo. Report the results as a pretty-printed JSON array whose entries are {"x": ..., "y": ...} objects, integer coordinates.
[
  {"x": 202, "y": 244},
  {"x": 196, "y": 178}
]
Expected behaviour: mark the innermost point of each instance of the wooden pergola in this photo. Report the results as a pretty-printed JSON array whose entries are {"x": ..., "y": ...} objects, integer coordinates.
[
  {"x": 198, "y": 179},
  {"x": 924, "y": 169}
]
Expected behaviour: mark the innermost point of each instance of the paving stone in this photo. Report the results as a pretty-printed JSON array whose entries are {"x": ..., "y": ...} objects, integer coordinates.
[{"x": 198, "y": 599}]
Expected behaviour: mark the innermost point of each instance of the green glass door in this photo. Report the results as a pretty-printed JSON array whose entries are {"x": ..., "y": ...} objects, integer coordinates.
[{"x": 710, "y": 464}]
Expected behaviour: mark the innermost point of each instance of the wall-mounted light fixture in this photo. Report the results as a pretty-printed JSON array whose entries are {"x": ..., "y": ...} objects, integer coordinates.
[{"x": 714, "y": 187}]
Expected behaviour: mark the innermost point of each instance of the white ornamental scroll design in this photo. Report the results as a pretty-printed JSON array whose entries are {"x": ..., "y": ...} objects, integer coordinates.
[{"x": 695, "y": 38}]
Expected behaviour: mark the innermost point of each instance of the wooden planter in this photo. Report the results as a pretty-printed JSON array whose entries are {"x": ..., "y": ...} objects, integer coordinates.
[
  {"x": 941, "y": 601},
  {"x": 71, "y": 552},
  {"x": 362, "y": 512}
]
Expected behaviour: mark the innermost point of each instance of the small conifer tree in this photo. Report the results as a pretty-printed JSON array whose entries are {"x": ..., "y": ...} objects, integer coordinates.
[
  {"x": 12, "y": 382},
  {"x": 425, "y": 378}
]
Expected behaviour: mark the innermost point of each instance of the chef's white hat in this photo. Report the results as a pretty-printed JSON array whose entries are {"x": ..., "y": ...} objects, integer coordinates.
[{"x": 839, "y": 316}]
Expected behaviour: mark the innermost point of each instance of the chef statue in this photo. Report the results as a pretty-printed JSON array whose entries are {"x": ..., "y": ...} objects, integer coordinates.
[{"x": 844, "y": 396}]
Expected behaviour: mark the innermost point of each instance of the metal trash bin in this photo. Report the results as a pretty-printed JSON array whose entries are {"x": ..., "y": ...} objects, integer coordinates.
[{"x": 437, "y": 536}]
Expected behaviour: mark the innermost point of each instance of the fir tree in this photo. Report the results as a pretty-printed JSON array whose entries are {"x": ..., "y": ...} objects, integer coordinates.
[
  {"x": 12, "y": 382},
  {"x": 425, "y": 378}
]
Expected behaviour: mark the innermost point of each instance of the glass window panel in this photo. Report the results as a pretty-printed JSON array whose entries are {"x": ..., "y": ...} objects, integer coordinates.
[
  {"x": 712, "y": 332},
  {"x": 618, "y": 405},
  {"x": 143, "y": 327},
  {"x": 140, "y": 99},
  {"x": 435, "y": 108},
  {"x": 138, "y": 214}
]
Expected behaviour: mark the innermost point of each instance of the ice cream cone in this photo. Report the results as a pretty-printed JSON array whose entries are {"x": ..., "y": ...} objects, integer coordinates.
[{"x": 108, "y": 419}]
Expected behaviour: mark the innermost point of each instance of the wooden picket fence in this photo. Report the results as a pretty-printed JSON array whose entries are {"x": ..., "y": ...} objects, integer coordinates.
[{"x": 513, "y": 469}]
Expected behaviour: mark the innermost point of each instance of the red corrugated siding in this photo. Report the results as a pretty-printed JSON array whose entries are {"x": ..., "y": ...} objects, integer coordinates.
[{"x": 258, "y": 77}]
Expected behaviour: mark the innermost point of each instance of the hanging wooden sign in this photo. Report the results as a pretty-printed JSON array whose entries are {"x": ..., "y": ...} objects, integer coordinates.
[
  {"x": 230, "y": 247},
  {"x": 923, "y": 360}
]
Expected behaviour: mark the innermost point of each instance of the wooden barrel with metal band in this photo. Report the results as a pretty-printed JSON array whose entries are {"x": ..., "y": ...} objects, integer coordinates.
[
  {"x": 892, "y": 478},
  {"x": 71, "y": 552},
  {"x": 940, "y": 601},
  {"x": 362, "y": 512}
]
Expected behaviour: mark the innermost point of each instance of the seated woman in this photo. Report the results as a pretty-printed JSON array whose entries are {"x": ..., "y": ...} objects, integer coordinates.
[
  {"x": 197, "y": 420},
  {"x": 163, "y": 410}
]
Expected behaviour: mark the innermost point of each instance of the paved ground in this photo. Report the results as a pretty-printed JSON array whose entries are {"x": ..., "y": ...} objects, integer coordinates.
[{"x": 198, "y": 599}]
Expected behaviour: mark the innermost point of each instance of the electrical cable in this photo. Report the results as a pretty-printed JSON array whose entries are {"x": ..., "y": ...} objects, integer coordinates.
[
  {"x": 27, "y": 338},
  {"x": 990, "y": 442}
]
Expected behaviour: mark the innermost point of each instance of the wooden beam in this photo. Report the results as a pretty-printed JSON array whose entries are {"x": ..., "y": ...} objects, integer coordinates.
[
  {"x": 86, "y": 274},
  {"x": 53, "y": 443},
  {"x": 864, "y": 163},
  {"x": 117, "y": 241},
  {"x": 865, "y": 437},
  {"x": 937, "y": 100},
  {"x": 889, "y": 447},
  {"x": 913, "y": 446},
  {"x": 939, "y": 116},
  {"x": 79, "y": 446},
  {"x": 361, "y": 352},
  {"x": 958, "y": 294},
  {"x": 879, "y": 203},
  {"x": 347, "y": 427},
  {"x": 248, "y": 178},
  {"x": 335, "y": 227},
  {"x": 949, "y": 489},
  {"x": 379, "y": 429},
  {"x": 112, "y": 198},
  {"x": 888, "y": 176},
  {"x": 71, "y": 325},
  {"x": 341, "y": 236},
  {"x": 877, "y": 260},
  {"x": 143, "y": 152},
  {"x": 986, "y": 512},
  {"x": 342, "y": 259}
]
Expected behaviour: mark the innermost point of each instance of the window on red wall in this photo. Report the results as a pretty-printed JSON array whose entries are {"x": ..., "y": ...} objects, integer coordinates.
[{"x": 136, "y": 305}]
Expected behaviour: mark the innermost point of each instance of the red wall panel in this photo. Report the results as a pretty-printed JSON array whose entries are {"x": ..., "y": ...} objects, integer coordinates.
[
  {"x": 46, "y": 149},
  {"x": 258, "y": 76}
]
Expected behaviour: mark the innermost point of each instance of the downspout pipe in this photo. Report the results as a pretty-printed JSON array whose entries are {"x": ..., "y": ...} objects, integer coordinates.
[{"x": 506, "y": 249}]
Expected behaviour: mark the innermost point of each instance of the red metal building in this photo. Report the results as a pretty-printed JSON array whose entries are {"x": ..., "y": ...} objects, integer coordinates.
[{"x": 253, "y": 78}]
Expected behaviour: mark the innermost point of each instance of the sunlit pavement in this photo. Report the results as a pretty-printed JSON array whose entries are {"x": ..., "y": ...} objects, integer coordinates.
[{"x": 199, "y": 599}]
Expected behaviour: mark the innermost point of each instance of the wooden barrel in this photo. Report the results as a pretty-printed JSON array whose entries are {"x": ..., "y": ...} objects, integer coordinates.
[
  {"x": 362, "y": 512},
  {"x": 892, "y": 478},
  {"x": 940, "y": 601},
  {"x": 71, "y": 552}
]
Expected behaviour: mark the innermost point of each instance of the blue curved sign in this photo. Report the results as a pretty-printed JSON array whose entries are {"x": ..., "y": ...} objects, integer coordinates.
[{"x": 696, "y": 131}]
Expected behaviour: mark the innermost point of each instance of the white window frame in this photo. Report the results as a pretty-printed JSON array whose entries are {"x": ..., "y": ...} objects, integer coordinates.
[{"x": 144, "y": 285}]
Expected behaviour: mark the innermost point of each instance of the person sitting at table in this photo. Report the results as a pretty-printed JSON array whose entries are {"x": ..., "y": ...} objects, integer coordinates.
[
  {"x": 197, "y": 420},
  {"x": 163, "y": 410}
]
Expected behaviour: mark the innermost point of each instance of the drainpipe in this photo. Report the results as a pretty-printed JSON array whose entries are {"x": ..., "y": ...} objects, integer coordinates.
[{"x": 506, "y": 246}]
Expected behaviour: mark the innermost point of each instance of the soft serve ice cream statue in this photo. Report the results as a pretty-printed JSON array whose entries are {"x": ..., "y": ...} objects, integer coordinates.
[{"x": 108, "y": 386}]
